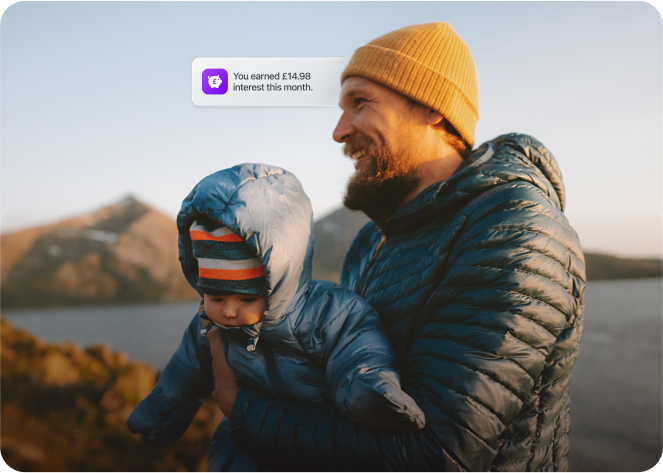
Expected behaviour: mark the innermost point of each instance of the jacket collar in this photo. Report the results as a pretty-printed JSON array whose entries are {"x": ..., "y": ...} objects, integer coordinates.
[
  {"x": 507, "y": 158},
  {"x": 421, "y": 209}
]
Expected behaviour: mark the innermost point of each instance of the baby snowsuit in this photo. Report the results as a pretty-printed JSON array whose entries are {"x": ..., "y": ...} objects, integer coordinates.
[{"x": 316, "y": 341}]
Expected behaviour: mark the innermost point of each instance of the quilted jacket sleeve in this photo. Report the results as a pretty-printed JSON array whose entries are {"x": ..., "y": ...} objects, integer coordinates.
[
  {"x": 360, "y": 362},
  {"x": 186, "y": 381},
  {"x": 482, "y": 340}
]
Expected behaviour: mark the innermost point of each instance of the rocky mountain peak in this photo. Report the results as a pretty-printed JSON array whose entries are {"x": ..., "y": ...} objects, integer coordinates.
[{"x": 122, "y": 253}]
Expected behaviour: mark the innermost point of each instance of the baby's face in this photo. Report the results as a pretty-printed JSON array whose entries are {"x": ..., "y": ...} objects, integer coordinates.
[{"x": 234, "y": 310}]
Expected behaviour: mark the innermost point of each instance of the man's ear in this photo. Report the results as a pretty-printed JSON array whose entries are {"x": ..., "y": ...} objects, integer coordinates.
[{"x": 434, "y": 117}]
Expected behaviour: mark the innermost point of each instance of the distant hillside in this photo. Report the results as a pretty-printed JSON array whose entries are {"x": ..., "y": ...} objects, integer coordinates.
[
  {"x": 600, "y": 266},
  {"x": 333, "y": 237},
  {"x": 335, "y": 232},
  {"x": 124, "y": 253},
  {"x": 64, "y": 408},
  {"x": 127, "y": 253}
]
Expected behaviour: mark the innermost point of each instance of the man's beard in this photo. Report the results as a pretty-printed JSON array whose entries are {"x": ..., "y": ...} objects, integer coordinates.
[{"x": 381, "y": 185}]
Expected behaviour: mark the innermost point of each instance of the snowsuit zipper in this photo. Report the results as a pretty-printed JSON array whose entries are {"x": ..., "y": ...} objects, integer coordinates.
[{"x": 272, "y": 370}]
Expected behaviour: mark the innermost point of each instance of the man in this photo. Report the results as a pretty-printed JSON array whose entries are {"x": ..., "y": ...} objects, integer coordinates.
[{"x": 471, "y": 264}]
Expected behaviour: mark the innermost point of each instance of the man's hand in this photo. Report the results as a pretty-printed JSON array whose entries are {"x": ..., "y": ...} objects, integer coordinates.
[{"x": 226, "y": 385}]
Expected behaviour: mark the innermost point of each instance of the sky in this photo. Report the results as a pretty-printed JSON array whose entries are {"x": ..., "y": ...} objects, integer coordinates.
[{"x": 95, "y": 102}]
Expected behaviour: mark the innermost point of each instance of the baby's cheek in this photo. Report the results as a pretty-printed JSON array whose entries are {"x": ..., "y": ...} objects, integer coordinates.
[
  {"x": 252, "y": 318},
  {"x": 213, "y": 312}
]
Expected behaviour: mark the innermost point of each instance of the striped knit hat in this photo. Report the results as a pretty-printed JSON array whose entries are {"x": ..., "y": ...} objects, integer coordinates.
[
  {"x": 226, "y": 264},
  {"x": 429, "y": 63}
]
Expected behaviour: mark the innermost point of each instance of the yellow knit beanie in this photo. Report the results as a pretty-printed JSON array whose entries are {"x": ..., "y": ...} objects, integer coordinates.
[{"x": 429, "y": 63}]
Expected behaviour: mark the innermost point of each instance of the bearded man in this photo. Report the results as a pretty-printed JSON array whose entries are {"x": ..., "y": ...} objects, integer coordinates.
[{"x": 471, "y": 264}]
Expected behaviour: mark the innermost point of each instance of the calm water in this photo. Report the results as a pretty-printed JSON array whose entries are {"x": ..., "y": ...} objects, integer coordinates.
[
  {"x": 623, "y": 311},
  {"x": 150, "y": 333},
  {"x": 616, "y": 391}
]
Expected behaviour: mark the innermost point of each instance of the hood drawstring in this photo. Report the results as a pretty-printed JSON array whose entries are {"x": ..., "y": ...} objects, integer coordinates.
[
  {"x": 253, "y": 342},
  {"x": 251, "y": 331},
  {"x": 209, "y": 329}
]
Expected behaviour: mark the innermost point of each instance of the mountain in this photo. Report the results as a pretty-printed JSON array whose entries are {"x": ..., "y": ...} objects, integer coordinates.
[
  {"x": 127, "y": 253},
  {"x": 333, "y": 237},
  {"x": 123, "y": 253},
  {"x": 335, "y": 232}
]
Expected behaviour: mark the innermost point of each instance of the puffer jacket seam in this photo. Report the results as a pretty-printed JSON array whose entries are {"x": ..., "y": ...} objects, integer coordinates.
[
  {"x": 473, "y": 368},
  {"x": 557, "y": 381},
  {"x": 559, "y": 433},
  {"x": 514, "y": 292},
  {"x": 551, "y": 362},
  {"x": 452, "y": 457},
  {"x": 342, "y": 313},
  {"x": 563, "y": 265},
  {"x": 533, "y": 250},
  {"x": 509, "y": 333},
  {"x": 494, "y": 354},
  {"x": 517, "y": 229},
  {"x": 251, "y": 179},
  {"x": 510, "y": 462},
  {"x": 520, "y": 270},
  {"x": 542, "y": 214},
  {"x": 528, "y": 205},
  {"x": 293, "y": 326},
  {"x": 406, "y": 277},
  {"x": 537, "y": 433},
  {"x": 174, "y": 406},
  {"x": 467, "y": 427},
  {"x": 517, "y": 439},
  {"x": 513, "y": 269},
  {"x": 405, "y": 264},
  {"x": 385, "y": 288},
  {"x": 302, "y": 415},
  {"x": 515, "y": 313},
  {"x": 450, "y": 453},
  {"x": 501, "y": 330},
  {"x": 345, "y": 310},
  {"x": 546, "y": 195},
  {"x": 262, "y": 423}
]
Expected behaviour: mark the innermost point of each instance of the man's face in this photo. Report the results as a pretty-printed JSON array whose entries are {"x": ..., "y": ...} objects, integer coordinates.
[{"x": 382, "y": 132}]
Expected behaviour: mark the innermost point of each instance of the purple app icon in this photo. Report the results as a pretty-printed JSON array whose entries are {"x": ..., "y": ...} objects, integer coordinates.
[{"x": 215, "y": 81}]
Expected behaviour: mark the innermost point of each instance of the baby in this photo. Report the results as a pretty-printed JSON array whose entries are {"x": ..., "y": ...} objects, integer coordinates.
[{"x": 246, "y": 245}]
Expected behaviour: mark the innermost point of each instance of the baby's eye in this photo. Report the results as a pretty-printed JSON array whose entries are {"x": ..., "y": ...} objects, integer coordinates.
[{"x": 248, "y": 300}]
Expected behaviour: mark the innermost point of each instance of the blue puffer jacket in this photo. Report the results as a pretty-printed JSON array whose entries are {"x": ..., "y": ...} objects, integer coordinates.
[
  {"x": 316, "y": 341},
  {"x": 479, "y": 281}
]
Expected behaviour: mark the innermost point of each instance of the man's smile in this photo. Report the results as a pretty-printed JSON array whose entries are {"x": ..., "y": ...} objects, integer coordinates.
[{"x": 359, "y": 158}]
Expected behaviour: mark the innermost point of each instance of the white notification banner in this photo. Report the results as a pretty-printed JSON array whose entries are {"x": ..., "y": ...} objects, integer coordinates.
[{"x": 266, "y": 81}]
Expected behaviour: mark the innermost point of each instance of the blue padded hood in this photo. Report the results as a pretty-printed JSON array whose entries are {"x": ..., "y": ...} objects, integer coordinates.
[{"x": 267, "y": 207}]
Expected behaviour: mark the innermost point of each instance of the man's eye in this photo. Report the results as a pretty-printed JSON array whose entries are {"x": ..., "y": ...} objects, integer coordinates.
[{"x": 359, "y": 100}]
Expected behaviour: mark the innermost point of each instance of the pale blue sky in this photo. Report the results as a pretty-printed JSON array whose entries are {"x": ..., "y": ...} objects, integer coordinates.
[{"x": 96, "y": 101}]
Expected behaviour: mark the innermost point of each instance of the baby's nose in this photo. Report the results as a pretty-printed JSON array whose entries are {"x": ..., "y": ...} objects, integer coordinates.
[{"x": 229, "y": 312}]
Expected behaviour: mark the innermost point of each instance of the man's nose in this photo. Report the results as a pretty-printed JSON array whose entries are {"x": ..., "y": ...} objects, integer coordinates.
[{"x": 344, "y": 129}]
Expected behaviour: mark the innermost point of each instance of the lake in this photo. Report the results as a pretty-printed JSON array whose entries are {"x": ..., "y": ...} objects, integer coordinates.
[
  {"x": 150, "y": 333},
  {"x": 616, "y": 389}
]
